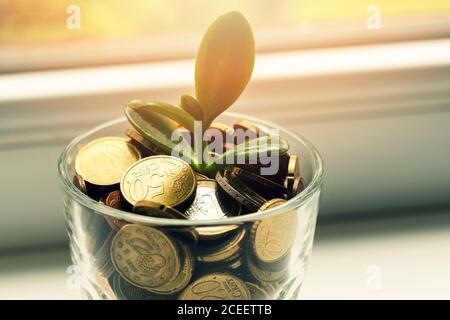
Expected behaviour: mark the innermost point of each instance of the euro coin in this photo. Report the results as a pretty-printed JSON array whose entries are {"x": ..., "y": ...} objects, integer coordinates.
[
  {"x": 103, "y": 161},
  {"x": 293, "y": 171},
  {"x": 256, "y": 292},
  {"x": 126, "y": 291},
  {"x": 142, "y": 143},
  {"x": 209, "y": 204},
  {"x": 155, "y": 209},
  {"x": 145, "y": 256},
  {"x": 163, "y": 179},
  {"x": 297, "y": 187},
  {"x": 114, "y": 200},
  {"x": 265, "y": 275},
  {"x": 239, "y": 191},
  {"x": 271, "y": 238},
  {"x": 259, "y": 183},
  {"x": 209, "y": 233},
  {"x": 224, "y": 250},
  {"x": 78, "y": 181},
  {"x": 216, "y": 286},
  {"x": 182, "y": 279}
]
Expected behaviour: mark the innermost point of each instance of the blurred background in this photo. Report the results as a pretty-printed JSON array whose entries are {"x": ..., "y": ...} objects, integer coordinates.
[{"x": 367, "y": 82}]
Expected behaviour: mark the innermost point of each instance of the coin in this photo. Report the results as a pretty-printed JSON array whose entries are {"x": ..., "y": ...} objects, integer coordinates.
[
  {"x": 103, "y": 161},
  {"x": 126, "y": 291},
  {"x": 216, "y": 286},
  {"x": 256, "y": 292},
  {"x": 293, "y": 171},
  {"x": 262, "y": 185},
  {"x": 272, "y": 204},
  {"x": 78, "y": 181},
  {"x": 145, "y": 256},
  {"x": 271, "y": 238},
  {"x": 209, "y": 233},
  {"x": 210, "y": 204},
  {"x": 115, "y": 200},
  {"x": 297, "y": 187},
  {"x": 183, "y": 277},
  {"x": 142, "y": 143},
  {"x": 293, "y": 166},
  {"x": 224, "y": 250},
  {"x": 164, "y": 179},
  {"x": 239, "y": 191},
  {"x": 155, "y": 209},
  {"x": 265, "y": 275}
]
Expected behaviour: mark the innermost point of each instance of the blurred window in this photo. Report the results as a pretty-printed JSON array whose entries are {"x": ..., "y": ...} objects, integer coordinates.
[{"x": 45, "y": 34}]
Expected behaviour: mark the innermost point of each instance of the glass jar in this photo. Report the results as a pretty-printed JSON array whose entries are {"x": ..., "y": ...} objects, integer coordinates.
[{"x": 261, "y": 255}]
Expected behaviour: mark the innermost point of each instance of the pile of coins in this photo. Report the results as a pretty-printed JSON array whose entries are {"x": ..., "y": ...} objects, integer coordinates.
[{"x": 165, "y": 261}]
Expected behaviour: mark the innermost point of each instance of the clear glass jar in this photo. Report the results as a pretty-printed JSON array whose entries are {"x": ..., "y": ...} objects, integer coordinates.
[{"x": 226, "y": 248}]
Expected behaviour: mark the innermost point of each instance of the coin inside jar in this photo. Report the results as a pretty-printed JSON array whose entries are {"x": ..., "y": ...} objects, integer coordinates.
[
  {"x": 183, "y": 277},
  {"x": 145, "y": 256},
  {"x": 271, "y": 238},
  {"x": 164, "y": 179},
  {"x": 216, "y": 286},
  {"x": 256, "y": 292},
  {"x": 78, "y": 181},
  {"x": 239, "y": 190},
  {"x": 293, "y": 171},
  {"x": 297, "y": 187},
  {"x": 102, "y": 162},
  {"x": 211, "y": 203},
  {"x": 155, "y": 209},
  {"x": 214, "y": 232},
  {"x": 224, "y": 250},
  {"x": 141, "y": 142},
  {"x": 264, "y": 186}
]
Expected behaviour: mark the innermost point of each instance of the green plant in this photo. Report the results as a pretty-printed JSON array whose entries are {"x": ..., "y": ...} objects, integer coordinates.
[{"x": 223, "y": 67}]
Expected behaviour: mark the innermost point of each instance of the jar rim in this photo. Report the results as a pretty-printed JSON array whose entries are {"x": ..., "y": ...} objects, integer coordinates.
[{"x": 68, "y": 186}]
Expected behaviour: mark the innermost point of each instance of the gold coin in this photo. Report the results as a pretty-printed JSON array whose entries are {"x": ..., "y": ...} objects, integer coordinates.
[
  {"x": 182, "y": 279},
  {"x": 293, "y": 166},
  {"x": 216, "y": 286},
  {"x": 155, "y": 209},
  {"x": 225, "y": 249},
  {"x": 103, "y": 161},
  {"x": 145, "y": 256},
  {"x": 272, "y": 237},
  {"x": 256, "y": 292},
  {"x": 215, "y": 232},
  {"x": 142, "y": 142},
  {"x": 266, "y": 275},
  {"x": 272, "y": 204},
  {"x": 293, "y": 171},
  {"x": 164, "y": 179}
]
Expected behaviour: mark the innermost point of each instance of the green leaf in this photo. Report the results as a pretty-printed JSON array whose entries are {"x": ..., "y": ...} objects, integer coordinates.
[
  {"x": 189, "y": 104},
  {"x": 165, "y": 109},
  {"x": 224, "y": 64},
  {"x": 154, "y": 127},
  {"x": 249, "y": 150}
]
